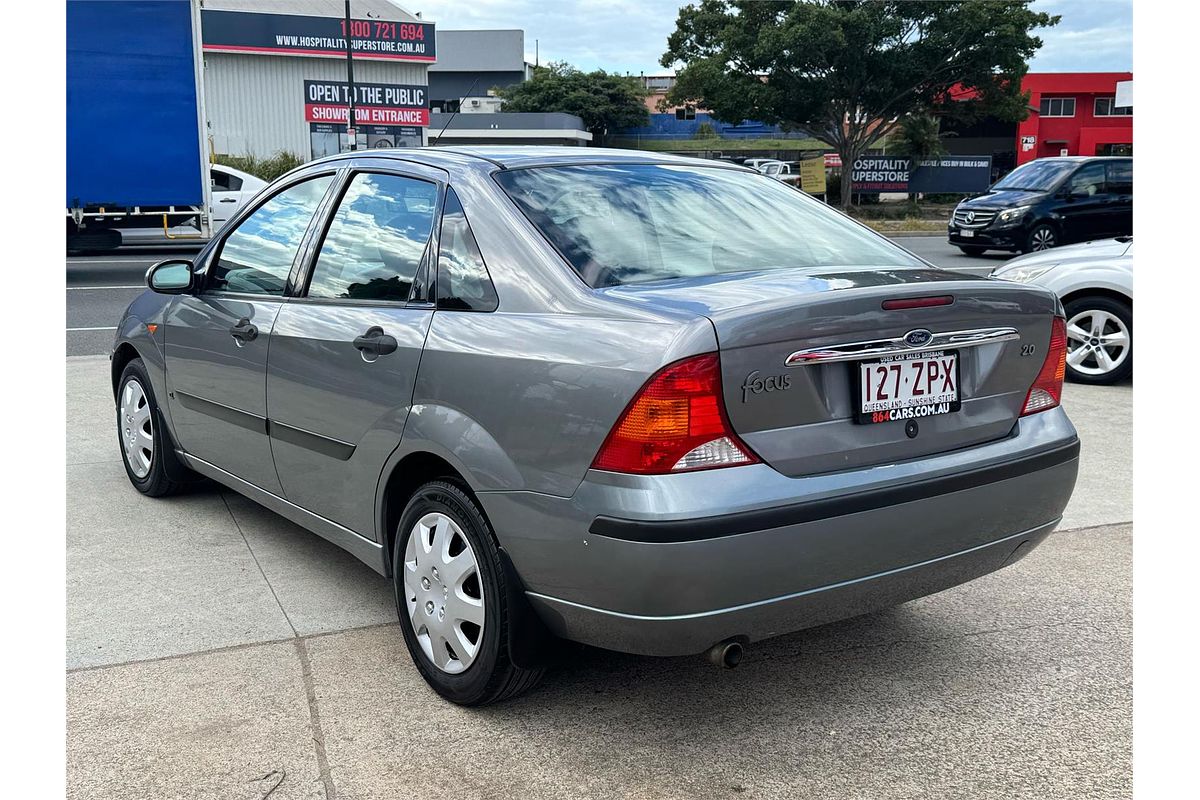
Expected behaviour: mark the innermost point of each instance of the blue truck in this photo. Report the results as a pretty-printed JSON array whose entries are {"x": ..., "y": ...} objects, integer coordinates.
[{"x": 136, "y": 143}]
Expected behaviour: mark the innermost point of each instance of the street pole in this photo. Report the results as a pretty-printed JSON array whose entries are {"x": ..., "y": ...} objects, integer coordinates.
[{"x": 351, "y": 122}]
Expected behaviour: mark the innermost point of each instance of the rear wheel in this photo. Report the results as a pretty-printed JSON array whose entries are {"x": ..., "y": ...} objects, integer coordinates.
[
  {"x": 1042, "y": 237},
  {"x": 1099, "y": 340},
  {"x": 452, "y": 599},
  {"x": 972, "y": 251}
]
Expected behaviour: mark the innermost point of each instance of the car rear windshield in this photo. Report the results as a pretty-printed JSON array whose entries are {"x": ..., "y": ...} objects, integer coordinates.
[
  {"x": 619, "y": 224},
  {"x": 1036, "y": 176}
]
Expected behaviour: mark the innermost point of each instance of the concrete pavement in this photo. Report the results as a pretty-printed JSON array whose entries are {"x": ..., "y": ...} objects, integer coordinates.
[{"x": 216, "y": 650}]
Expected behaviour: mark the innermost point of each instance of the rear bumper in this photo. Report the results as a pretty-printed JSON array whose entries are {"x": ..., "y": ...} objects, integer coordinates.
[
  {"x": 686, "y": 634},
  {"x": 669, "y": 565}
]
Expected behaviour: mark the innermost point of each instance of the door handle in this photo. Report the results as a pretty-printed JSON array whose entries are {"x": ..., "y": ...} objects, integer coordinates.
[
  {"x": 228, "y": 200},
  {"x": 244, "y": 331},
  {"x": 375, "y": 342}
]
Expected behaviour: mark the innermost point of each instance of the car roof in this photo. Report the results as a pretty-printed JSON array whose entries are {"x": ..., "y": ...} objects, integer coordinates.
[{"x": 520, "y": 156}]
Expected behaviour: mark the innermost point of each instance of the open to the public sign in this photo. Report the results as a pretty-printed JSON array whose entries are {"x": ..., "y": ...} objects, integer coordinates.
[{"x": 908, "y": 386}]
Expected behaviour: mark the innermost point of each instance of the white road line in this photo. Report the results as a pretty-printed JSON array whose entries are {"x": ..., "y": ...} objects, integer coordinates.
[
  {"x": 113, "y": 328},
  {"x": 97, "y": 288},
  {"x": 130, "y": 260}
]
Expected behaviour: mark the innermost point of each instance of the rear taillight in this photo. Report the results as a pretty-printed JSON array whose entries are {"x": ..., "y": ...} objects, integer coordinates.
[
  {"x": 1046, "y": 392},
  {"x": 675, "y": 423}
]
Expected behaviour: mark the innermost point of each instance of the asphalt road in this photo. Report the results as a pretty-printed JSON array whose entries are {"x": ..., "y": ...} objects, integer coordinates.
[
  {"x": 216, "y": 650},
  {"x": 99, "y": 287}
]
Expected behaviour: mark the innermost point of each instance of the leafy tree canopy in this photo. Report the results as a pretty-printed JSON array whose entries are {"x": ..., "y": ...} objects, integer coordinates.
[
  {"x": 606, "y": 102},
  {"x": 849, "y": 71}
]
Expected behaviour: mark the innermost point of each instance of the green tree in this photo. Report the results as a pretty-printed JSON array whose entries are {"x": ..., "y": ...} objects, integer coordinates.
[
  {"x": 605, "y": 102},
  {"x": 918, "y": 137},
  {"x": 849, "y": 71}
]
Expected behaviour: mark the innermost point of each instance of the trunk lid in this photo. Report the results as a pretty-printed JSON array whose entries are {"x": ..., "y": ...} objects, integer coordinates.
[{"x": 801, "y": 419}]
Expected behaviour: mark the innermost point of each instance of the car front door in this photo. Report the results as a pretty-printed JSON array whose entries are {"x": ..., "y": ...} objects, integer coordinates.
[
  {"x": 226, "y": 196},
  {"x": 1120, "y": 190},
  {"x": 217, "y": 339},
  {"x": 345, "y": 349},
  {"x": 1086, "y": 206}
]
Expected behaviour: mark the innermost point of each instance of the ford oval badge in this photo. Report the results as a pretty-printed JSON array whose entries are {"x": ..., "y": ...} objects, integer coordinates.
[{"x": 917, "y": 338}]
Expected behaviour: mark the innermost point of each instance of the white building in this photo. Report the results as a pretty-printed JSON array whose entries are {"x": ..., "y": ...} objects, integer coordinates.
[{"x": 275, "y": 76}]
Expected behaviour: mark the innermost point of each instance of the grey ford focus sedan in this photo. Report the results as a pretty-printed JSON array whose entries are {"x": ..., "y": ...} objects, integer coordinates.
[{"x": 653, "y": 404}]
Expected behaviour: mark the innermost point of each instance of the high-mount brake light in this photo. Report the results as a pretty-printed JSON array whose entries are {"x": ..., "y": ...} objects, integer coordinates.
[
  {"x": 1046, "y": 392},
  {"x": 675, "y": 423},
  {"x": 904, "y": 303}
]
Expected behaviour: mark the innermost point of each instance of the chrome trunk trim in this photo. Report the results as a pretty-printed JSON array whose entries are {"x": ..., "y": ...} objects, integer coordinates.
[{"x": 853, "y": 351}]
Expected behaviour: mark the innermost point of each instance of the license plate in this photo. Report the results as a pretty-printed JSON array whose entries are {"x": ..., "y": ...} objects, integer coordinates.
[
  {"x": 908, "y": 386},
  {"x": 966, "y": 234}
]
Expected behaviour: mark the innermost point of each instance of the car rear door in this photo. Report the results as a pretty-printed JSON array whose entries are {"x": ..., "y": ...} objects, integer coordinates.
[
  {"x": 217, "y": 339},
  {"x": 346, "y": 347},
  {"x": 1120, "y": 190},
  {"x": 226, "y": 196}
]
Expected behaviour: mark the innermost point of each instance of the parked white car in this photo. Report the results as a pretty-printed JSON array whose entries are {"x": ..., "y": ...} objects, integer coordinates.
[
  {"x": 1094, "y": 280},
  {"x": 231, "y": 190},
  {"x": 779, "y": 170}
]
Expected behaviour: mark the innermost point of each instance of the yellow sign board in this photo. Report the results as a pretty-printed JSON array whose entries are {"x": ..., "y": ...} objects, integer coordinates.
[{"x": 812, "y": 175}]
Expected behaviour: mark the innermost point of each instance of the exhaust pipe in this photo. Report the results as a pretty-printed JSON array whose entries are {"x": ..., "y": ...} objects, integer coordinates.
[{"x": 727, "y": 654}]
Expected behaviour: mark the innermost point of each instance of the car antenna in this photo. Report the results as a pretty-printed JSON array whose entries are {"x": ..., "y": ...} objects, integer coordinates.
[{"x": 451, "y": 119}]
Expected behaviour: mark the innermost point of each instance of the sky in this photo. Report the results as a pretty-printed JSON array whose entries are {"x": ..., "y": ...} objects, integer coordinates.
[{"x": 630, "y": 36}]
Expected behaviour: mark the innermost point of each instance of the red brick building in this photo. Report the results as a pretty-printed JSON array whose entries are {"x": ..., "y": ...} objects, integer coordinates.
[{"x": 1076, "y": 114}]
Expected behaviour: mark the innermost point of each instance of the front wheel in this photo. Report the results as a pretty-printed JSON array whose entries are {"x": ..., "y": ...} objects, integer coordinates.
[
  {"x": 1042, "y": 237},
  {"x": 452, "y": 600},
  {"x": 146, "y": 449},
  {"x": 1099, "y": 340}
]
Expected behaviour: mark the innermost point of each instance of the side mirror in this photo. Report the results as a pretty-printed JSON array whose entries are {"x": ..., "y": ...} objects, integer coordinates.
[{"x": 173, "y": 276}]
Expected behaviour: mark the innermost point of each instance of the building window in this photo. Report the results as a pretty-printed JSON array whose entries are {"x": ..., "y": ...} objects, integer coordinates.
[
  {"x": 685, "y": 112},
  {"x": 1058, "y": 107},
  {"x": 1107, "y": 107}
]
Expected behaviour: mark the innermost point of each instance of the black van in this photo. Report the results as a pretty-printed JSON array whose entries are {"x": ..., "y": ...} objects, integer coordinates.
[{"x": 1048, "y": 202}]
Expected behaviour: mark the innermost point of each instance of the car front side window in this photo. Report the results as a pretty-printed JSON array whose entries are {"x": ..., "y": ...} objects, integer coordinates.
[
  {"x": 1087, "y": 180},
  {"x": 376, "y": 240},
  {"x": 257, "y": 256}
]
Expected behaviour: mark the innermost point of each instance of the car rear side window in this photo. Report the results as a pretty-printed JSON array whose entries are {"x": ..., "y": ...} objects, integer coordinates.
[
  {"x": 463, "y": 282},
  {"x": 619, "y": 224},
  {"x": 1120, "y": 177},
  {"x": 376, "y": 239},
  {"x": 257, "y": 257}
]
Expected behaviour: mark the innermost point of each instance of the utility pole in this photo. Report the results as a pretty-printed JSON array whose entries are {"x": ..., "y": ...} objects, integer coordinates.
[{"x": 351, "y": 130}]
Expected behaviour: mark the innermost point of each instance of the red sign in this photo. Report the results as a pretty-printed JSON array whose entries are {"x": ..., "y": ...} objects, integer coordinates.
[
  {"x": 366, "y": 115},
  {"x": 833, "y": 160}
]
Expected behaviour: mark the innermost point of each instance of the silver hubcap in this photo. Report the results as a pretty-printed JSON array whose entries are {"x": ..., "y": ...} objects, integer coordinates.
[
  {"x": 137, "y": 428},
  {"x": 1043, "y": 239},
  {"x": 1097, "y": 342},
  {"x": 444, "y": 593}
]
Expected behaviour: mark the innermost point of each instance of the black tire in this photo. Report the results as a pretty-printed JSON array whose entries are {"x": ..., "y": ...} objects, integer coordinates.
[
  {"x": 1122, "y": 311},
  {"x": 166, "y": 474},
  {"x": 1038, "y": 237},
  {"x": 492, "y": 676},
  {"x": 972, "y": 251}
]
